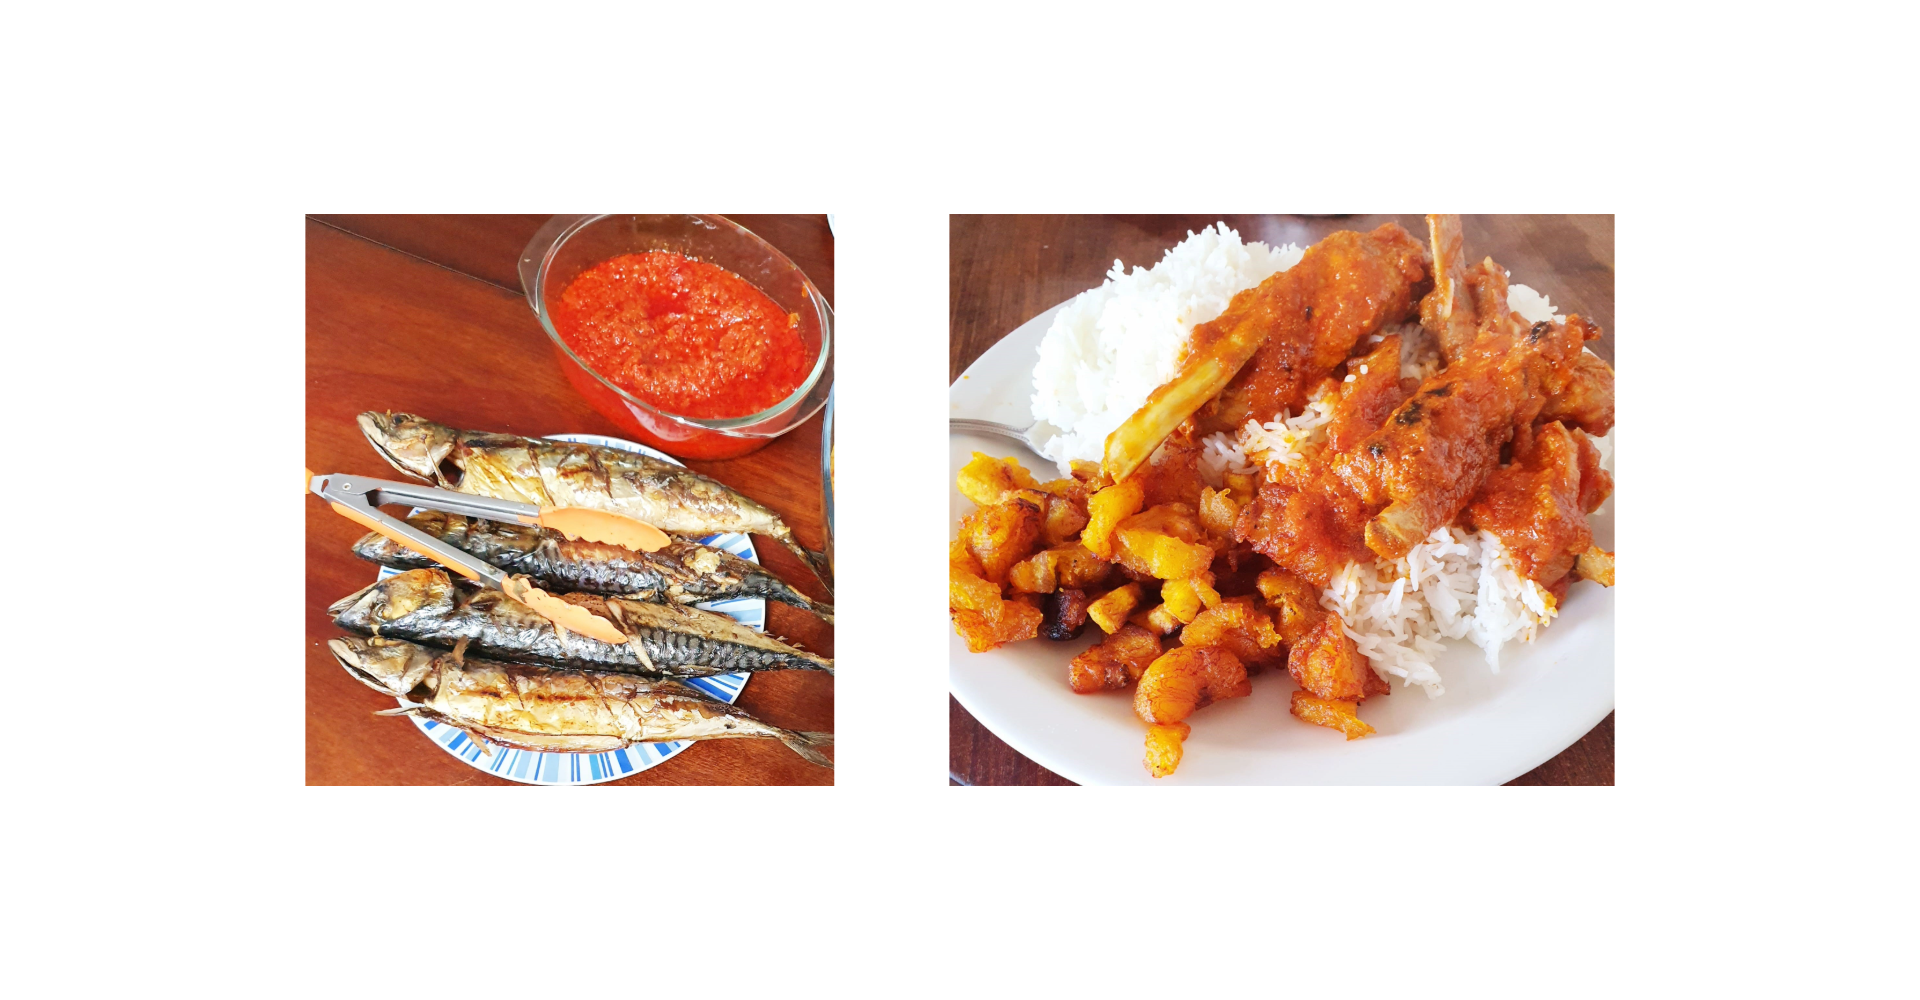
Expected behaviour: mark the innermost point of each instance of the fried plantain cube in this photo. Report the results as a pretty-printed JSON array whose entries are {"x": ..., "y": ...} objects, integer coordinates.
[
  {"x": 965, "y": 587},
  {"x": 1186, "y": 679},
  {"x": 1064, "y": 518},
  {"x": 1160, "y": 621},
  {"x": 1185, "y": 598},
  {"x": 1243, "y": 486},
  {"x": 1116, "y": 662},
  {"x": 1078, "y": 568},
  {"x": 1090, "y": 473},
  {"x": 1105, "y": 510},
  {"x": 1341, "y": 715},
  {"x": 1296, "y": 602},
  {"x": 986, "y": 479},
  {"x": 1218, "y": 511},
  {"x": 1111, "y": 610},
  {"x": 1239, "y": 626},
  {"x": 1002, "y": 534},
  {"x": 1010, "y": 621},
  {"x": 1066, "y": 614},
  {"x": 1162, "y": 557},
  {"x": 1036, "y": 574},
  {"x": 1164, "y": 747},
  {"x": 1326, "y": 663}
]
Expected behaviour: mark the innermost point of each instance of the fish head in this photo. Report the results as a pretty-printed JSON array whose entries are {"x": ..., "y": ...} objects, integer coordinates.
[
  {"x": 425, "y": 592},
  {"x": 388, "y": 666},
  {"x": 412, "y": 444}
]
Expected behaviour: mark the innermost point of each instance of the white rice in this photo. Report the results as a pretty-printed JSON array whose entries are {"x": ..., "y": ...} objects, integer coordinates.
[
  {"x": 1454, "y": 585},
  {"x": 1110, "y": 347},
  {"x": 1282, "y": 441}
]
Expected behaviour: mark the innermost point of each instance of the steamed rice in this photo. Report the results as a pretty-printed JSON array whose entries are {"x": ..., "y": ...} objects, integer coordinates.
[{"x": 1110, "y": 347}]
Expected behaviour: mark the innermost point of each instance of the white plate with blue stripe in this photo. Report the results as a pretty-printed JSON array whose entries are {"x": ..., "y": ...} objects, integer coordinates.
[{"x": 534, "y": 768}]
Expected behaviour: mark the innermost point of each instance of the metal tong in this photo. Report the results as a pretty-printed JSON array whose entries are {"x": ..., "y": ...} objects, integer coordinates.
[{"x": 359, "y": 498}]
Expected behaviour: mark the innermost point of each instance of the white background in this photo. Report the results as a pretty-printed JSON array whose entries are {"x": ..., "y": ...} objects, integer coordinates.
[{"x": 162, "y": 840}]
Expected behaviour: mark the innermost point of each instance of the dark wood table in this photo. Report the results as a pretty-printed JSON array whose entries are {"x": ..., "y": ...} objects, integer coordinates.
[
  {"x": 425, "y": 314},
  {"x": 1004, "y": 270}
]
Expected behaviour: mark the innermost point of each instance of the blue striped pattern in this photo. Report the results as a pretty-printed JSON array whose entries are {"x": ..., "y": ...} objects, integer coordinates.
[{"x": 591, "y": 768}]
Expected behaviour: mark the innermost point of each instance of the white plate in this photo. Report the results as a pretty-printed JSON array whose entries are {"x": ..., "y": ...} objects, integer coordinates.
[
  {"x": 1487, "y": 729},
  {"x": 536, "y": 768}
]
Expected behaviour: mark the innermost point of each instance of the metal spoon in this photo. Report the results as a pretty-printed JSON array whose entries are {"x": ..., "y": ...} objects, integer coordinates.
[{"x": 991, "y": 429}]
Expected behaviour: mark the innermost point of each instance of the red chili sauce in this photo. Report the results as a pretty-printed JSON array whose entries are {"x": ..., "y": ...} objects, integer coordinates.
[{"x": 688, "y": 337}]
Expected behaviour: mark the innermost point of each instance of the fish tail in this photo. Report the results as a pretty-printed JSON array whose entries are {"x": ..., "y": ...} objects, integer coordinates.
[
  {"x": 804, "y": 744},
  {"x": 816, "y": 561}
]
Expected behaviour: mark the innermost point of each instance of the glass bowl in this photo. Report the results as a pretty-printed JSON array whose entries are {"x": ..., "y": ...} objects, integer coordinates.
[
  {"x": 569, "y": 244},
  {"x": 826, "y": 477}
]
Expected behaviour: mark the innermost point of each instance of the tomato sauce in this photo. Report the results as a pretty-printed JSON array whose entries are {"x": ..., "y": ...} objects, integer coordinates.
[{"x": 688, "y": 337}]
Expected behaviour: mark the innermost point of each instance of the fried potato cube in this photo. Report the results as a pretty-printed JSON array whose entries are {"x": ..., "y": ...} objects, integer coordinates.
[
  {"x": 1116, "y": 662},
  {"x": 1341, "y": 715},
  {"x": 1186, "y": 679},
  {"x": 1326, "y": 663},
  {"x": 1296, "y": 601},
  {"x": 1218, "y": 511},
  {"x": 1111, "y": 610},
  {"x": 1242, "y": 486},
  {"x": 1002, "y": 534},
  {"x": 1164, "y": 746},
  {"x": 1238, "y": 626},
  {"x": 1010, "y": 621},
  {"x": 1078, "y": 568},
  {"x": 1105, "y": 510},
  {"x": 1064, "y": 519},
  {"x": 985, "y": 479},
  {"x": 1036, "y": 574}
]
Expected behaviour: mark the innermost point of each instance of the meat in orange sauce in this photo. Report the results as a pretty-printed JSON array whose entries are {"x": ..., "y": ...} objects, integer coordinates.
[{"x": 1346, "y": 287}]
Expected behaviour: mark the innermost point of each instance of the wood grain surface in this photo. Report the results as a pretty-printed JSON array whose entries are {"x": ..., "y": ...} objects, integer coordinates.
[
  {"x": 1004, "y": 270},
  {"x": 425, "y": 314}
]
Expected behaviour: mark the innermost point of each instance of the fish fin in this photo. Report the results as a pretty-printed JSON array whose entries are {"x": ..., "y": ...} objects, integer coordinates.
[
  {"x": 485, "y": 745},
  {"x": 459, "y": 653},
  {"x": 804, "y": 743},
  {"x": 404, "y": 708}
]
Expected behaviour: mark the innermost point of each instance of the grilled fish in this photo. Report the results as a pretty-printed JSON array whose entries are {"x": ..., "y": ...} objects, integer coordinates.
[
  {"x": 425, "y": 606},
  {"x": 682, "y": 573},
  {"x": 562, "y": 474},
  {"x": 532, "y": 707}
]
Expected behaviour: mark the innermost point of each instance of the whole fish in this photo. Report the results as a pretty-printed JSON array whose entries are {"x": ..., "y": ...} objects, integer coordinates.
[
  {"x": 562, "y": 474},
  {"x": 681, "y": 573},
  {"x": 426, "y": 606},
  {"x": 531, "y": 707}
]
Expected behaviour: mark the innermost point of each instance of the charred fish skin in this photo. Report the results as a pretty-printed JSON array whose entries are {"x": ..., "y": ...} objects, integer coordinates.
[
  {"x": 425, "y": 606},
  {"x": 542, "y": 708},
  {"x": 670, "y": 497},
  {"x": 683, "y": 572}
]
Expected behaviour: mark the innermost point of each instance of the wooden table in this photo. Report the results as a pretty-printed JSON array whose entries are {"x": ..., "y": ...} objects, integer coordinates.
[
  {"x": 1004, "y": 270},
  {"x": 425, "y": 314}
]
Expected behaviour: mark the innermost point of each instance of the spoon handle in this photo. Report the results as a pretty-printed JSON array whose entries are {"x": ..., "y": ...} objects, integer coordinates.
[{"x": 989, "y": 428}]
